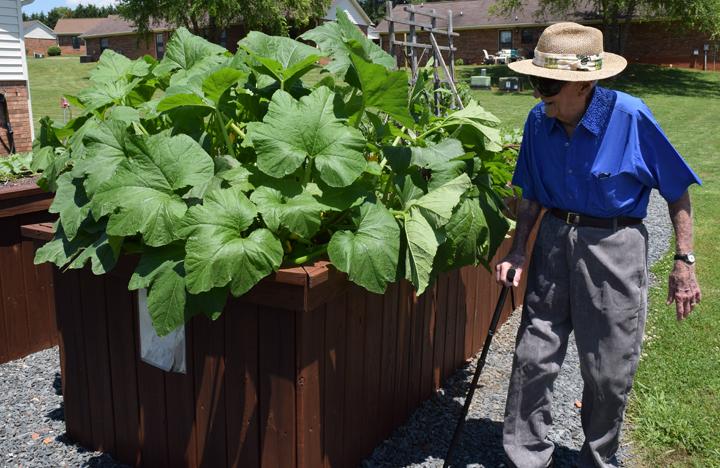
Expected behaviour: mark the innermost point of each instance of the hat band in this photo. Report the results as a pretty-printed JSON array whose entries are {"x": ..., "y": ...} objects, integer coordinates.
[{"x": 568, "y": 61}]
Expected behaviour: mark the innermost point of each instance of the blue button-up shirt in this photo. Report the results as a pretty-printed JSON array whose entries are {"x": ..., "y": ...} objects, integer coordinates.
[{"x": 617, "y": 154}]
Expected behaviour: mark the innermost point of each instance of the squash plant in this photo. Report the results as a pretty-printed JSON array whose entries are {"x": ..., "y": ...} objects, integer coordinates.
[{"x": 219, "y": 169}]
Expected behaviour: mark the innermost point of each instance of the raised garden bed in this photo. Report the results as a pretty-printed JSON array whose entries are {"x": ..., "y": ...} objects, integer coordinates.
[
  {"x": 306, "y": 369},
  {"x": 27, "y": 318}
]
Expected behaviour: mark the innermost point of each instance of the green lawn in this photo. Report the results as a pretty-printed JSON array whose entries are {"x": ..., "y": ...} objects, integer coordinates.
[
  {"x": 675, "y": 409},
  {"x": 676, "y": 406},
  {"x": 50, "y": 79}
]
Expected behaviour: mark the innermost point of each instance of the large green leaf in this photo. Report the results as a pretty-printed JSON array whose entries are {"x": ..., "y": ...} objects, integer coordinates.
[
  {"x": 435, "y": 153},
  {"x": 422, "y": 245},
  {"x": 300, "y": 214},
  {"x": 106, "y": 145},
  {"x": 339, "y": 38},
  {"x": 466, "y": 236},
  {"x": 383, "y": 90},
  {"x": 215, "y": 85},
  {"x": 141, "y": 197},
  {"x": 294, "y": 131},
  {"x": 476, "y": 122},
  {"x": 100, "y": 249},
  {"x": 281, "y": 57},
  {"x": 370, "y": 255},
  {"x": 498, "y": 224},
  {"x": 184, "y": 50},
  {"x": 162, "y": 271},
  {"x": 217, "y": 252},
  {"x": 437, "y": 205},
  {"x": 72, "y": 203},
  {"x": 113, "y": 67}
]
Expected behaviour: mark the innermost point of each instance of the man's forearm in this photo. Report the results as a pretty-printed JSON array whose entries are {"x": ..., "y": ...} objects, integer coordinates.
[
  {"x": 527, "y": 216},
  {"x": 681, "y": 217}
]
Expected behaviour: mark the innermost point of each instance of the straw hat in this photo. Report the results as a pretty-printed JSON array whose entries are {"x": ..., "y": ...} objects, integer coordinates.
[{"x": 571, "y": 52}]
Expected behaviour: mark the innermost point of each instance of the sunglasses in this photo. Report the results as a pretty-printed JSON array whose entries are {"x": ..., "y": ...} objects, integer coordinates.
[{"x": 547, "y": 87}]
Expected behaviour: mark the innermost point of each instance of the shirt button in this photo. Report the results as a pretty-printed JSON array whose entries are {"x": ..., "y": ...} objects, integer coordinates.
[
  {"x": 569, "y": 171},
  {"x": 567, "y": 143}
]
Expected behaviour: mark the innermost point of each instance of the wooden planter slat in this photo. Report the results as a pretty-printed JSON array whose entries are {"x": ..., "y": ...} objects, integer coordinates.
[
  {"x": 305, "y": 370},
  {"x": 27, "y": 319}
]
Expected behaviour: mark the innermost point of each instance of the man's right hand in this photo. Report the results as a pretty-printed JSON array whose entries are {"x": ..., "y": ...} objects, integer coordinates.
[{"x": 513, "y": 260}]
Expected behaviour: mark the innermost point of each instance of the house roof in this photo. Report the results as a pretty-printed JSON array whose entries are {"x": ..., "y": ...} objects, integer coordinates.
[
  {"x": 114, "y": 25},
  {"x": 350, "y": 6},
  {"x": 28, "y": 26},
  {"x": 474, "y": 14},
  {"x": 75, "y": 26}
]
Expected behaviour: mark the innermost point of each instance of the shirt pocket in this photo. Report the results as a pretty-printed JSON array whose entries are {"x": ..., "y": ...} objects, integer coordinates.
[{"x": 611, "y": 192}]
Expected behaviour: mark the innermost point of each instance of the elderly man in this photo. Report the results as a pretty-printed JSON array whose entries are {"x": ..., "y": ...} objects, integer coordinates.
[{"x": 591, "y": 157}]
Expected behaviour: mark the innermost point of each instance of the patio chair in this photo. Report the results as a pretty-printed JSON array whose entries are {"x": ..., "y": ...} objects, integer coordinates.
[{"x": 489, "y": 59}]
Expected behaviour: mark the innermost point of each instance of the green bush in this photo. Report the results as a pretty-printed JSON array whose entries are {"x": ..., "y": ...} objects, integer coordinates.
[
  {"x": 459, "y": 62},
  {"x": 54, "y": 51}
]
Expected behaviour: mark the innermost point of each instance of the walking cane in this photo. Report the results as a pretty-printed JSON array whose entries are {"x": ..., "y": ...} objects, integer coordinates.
[{"x": 480, "y": 365}]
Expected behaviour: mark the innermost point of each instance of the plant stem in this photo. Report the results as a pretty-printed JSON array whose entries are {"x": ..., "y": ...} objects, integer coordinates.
[
  {"x": 235, "y": 128},
  {"x": 308, "y": 171},
  {"x": 226, "y": 137},
  {"x": 317, "y": 253}
]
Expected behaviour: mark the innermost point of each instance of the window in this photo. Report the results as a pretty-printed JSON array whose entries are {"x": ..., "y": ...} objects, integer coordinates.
[
  {"x": 527, "y": 36},
  {"x": 160, "y": 45},
  {"x": 506, "y": 40},
  {"x": 223, "y": 38},
  {"x": 75, "y": 42},
  {"x": 104, "y": 44}
]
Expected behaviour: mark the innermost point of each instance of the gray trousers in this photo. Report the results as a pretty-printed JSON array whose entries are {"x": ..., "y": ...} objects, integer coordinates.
[{"x": 594, "y": 282}]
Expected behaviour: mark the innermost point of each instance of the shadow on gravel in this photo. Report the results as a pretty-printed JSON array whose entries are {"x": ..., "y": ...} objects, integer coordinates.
[
  {"x": 57, "y": 384},
  {"x": 58, "y": 414},
  {"x": 427, "y": 433}
]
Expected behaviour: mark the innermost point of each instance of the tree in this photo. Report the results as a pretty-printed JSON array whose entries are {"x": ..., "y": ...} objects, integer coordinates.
[
  {"x": 80, "y": 11},
  {"x": 212, "y": 16},
  {"x": 616, "y": 15}
]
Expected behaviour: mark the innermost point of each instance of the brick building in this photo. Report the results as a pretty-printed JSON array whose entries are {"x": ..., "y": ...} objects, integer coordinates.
[
  {"x": 654, "y": 41},
  {"x": 16, "y": 130},
  {"x": 38, "y": 37},
  {"x": 69, "y": 32},
  {"x": 121, "y": 36}
]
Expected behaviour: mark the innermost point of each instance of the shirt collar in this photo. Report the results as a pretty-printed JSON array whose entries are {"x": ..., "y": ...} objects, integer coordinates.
[{"x": 596, "y": 115}]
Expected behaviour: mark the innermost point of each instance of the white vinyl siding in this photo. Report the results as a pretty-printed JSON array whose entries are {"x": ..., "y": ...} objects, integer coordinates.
[
  {"x": 37, "y": 32},
  {"x": 12, "y": 53}
]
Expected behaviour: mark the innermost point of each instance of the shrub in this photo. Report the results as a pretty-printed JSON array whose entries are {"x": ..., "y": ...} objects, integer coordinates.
[
  {"x": 54, "y": 51},
  {"x": 219, "y": 169},
  {"x": 459, "y": 62}
]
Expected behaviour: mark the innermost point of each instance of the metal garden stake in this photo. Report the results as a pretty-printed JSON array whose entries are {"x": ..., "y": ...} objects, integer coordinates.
[{"x": 481, "y": 363}]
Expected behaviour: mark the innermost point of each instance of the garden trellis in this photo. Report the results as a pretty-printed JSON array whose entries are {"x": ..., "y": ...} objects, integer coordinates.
[{"x": 411, "y": 47}]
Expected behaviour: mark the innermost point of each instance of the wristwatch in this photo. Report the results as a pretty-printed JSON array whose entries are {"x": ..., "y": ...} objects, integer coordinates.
[{"x": 688, "y": 258}]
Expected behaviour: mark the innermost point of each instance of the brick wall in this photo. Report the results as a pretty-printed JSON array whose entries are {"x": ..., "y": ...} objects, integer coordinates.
[
  {"x": 665, "y": 44},
  {"x": 649, "y": 42},
  {"x": 38, "y": 45},
  {"x": 132, "y": 46},
  {"x": 16, "y": 94},
  {"x": 66, "y": 46},
  {"x": 471, "y": 43}
]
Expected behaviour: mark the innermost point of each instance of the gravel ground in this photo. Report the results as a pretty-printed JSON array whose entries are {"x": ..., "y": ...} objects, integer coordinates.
[
  {"x": 423, "y": 441},
  {"x": 32, "y": 432}
]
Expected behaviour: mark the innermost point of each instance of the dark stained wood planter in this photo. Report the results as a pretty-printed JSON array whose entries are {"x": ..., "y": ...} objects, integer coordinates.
[
  {"x": 27, "y": 315},
  {"x": 306, "y": 369}
]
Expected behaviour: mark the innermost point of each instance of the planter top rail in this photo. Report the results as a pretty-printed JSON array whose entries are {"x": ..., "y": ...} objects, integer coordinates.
[
  {"x": 35, "y": 199},
  {"x": 315, "y": 283}
]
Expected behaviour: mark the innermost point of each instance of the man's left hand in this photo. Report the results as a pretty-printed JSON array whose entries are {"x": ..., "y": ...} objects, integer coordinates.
[{"x": 683, "y": 289}]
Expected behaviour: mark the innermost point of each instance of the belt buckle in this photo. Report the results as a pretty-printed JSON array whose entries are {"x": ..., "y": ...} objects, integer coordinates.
[{"x": 572, "y": 218}]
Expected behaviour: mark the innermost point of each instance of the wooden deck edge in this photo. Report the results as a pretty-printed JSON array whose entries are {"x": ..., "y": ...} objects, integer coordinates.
[
  {"x": 39, "y": 231},
  {"x": 18, "y": 191}
]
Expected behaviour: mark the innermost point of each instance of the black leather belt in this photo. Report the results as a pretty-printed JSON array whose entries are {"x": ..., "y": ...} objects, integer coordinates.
[{"x": 582, "y": 220}]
